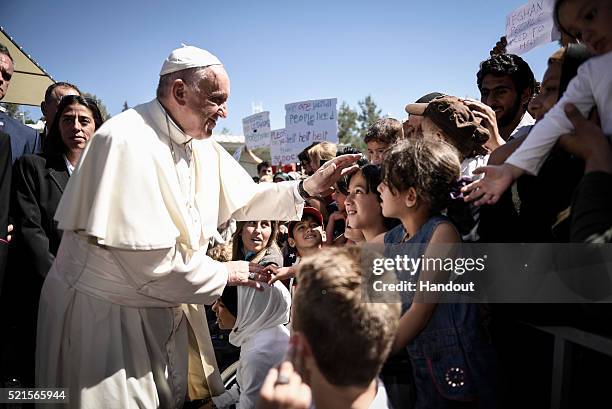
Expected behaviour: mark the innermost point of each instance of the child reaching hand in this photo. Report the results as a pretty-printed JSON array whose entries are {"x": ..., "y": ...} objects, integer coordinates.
[{"x": 587, "y": 21}]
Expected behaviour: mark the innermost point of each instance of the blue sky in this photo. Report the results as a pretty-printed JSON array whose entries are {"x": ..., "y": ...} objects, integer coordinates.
[{"x": 276, "y": 52}]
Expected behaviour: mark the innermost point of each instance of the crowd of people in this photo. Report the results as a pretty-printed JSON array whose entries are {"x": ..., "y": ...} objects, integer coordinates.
[{"x": 121, "y": 237}]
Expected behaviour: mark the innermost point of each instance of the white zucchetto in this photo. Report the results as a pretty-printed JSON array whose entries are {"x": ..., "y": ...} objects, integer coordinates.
[{"x": 188, "y": 57}]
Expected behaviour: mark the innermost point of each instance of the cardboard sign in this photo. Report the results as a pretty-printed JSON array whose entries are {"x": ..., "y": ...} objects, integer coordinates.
[
  {"x": 530, "y": 25},
  {"x": 307, "y": 122},
  {"x": 281, "y": 152},
  {"x": 256, "y": 129}
]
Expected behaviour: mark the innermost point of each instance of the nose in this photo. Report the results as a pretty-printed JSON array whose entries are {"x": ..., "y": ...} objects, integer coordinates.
[
  {"x": 223, "y": 111},
  {"x": 215, "y": 307},
  {"x": 380, "y": 188}
]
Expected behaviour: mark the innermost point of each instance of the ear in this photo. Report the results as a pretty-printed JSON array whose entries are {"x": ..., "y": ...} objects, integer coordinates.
[
  {"x": 301, "y": 343},
  {"x": 178, "y": 91},
  {"x": 410, "y": 197},
  {"x": 291, "y": 242},
  {"x": 43, "y": 108},
  {"x": 525, "y": 97}
]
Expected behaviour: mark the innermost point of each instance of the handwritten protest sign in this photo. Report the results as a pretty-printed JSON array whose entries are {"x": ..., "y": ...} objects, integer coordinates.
[
  {"x": 280, "y": 151},
  {"x": 238, "y": 153},
  {"x": 257, "y": 130},
  {"x": 530, "y": 25},
  {"x": 307, "y": 122}
]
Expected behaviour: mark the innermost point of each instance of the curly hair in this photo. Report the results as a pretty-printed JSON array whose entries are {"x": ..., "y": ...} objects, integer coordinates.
[
  {"x": 385, "y": 130},
  {"x": 508, "y": 64},
  {"x": 429, "y": 165}
]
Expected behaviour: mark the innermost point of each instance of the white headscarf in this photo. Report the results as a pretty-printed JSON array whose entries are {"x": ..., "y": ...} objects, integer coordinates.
[{"x": 258, "y": 310}]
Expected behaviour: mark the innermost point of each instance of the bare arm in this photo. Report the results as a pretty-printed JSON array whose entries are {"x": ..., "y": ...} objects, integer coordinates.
[{"x": 419, "y": 313}]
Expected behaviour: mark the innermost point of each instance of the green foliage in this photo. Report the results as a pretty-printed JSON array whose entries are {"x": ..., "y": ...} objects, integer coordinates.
[
  {"x": 12, "y": 110},
  {"x": 15, "y": 111},
  {"x": 353, "y": 123},
  {"x": 369, "y": 113},
  {"x": 101, "y": 106},
  {"x": 348, "y": 131}
]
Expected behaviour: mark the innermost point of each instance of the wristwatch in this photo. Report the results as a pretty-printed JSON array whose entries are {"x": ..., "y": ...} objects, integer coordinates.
[{"x": 305, "y": 195}]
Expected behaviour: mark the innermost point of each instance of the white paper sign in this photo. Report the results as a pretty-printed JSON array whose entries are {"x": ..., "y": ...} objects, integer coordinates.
[
  {"x": 280, "y": 151},
  {"x": 257, "y": 130},
  {"x": 310, "y": 121},
  {"x": 530, "y": 25},
  {"x": 238, "y": 153}
]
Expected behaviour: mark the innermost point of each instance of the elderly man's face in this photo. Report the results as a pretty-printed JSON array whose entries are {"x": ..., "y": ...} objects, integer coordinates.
[
  {"x": 6, "y": 73},
  {"x": 206, "y": 105}
]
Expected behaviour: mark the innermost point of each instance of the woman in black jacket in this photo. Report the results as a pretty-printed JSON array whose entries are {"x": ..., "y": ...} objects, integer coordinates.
[{"x": 37, "y": 187}]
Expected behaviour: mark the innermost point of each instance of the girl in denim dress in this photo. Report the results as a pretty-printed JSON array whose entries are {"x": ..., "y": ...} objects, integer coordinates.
[{"x": 453, "y": 361}]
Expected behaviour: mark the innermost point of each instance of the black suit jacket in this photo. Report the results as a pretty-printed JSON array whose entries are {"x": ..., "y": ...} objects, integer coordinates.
[
  {"x": 24, "y": 140},
  {"x": 38, "y": 185}
]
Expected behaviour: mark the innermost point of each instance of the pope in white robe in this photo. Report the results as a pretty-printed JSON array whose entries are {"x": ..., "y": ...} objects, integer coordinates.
[{"x": 122, "y": 301}]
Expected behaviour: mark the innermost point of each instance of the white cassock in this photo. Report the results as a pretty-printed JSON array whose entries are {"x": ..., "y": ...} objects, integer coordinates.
[{"x": 122, "y": 301}]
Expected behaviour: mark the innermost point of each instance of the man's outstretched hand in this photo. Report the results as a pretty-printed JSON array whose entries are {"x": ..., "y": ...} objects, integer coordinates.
[
  {"x": 247, "y": 274},
  {"x": 324, "y": 178},
  {"x": 489, "y": 189}
]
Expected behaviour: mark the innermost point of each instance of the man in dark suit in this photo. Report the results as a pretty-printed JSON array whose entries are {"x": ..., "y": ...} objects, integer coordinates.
[{"x": 24, "y": 139}]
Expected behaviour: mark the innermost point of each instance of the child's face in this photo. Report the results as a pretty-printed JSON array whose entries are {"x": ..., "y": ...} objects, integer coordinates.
[
  {"x": 225, "y": 319},
  {"x": 376, "y": 149},
  {"x": 589, "y": 22},
  {"x": 392, "y": 204},
  {"x": 308, "y": 233},
  {"x": 362, "y": 208},
  {"x": 339, "y": 198},
  {"x": 255, "y": 235}
]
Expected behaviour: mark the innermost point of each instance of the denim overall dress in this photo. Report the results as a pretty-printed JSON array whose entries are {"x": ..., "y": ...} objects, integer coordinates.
[{"x": 452, "y": 358}]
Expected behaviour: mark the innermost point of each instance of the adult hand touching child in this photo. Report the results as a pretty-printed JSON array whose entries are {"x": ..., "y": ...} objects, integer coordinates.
[{"x": 323, "y": 179}]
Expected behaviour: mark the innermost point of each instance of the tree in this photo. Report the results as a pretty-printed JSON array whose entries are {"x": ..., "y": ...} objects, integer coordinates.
[
  {"x": 347, "y": 124},
  {"x": 226, "y": 131},
  {"x": 12, "y": 110},
  {"x": 100, "y": 104},
  {"x": 125, "y": 107},
  {"x": 369, "y": 114}
]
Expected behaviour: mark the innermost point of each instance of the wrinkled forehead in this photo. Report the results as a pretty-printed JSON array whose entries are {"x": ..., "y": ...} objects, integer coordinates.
[
  {"x": 216, "y": 80},
  {"x": 6, "y": 63}
]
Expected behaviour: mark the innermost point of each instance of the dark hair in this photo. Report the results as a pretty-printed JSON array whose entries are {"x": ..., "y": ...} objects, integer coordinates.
[
  {"x": 262, "y": 165},
  {"x": 508, "y": 64},
  {"x": 282, "y": 175},
  {"x": 558, "y": 22},
  {"x": 343, "y": 182},
  {"x": 347, "y": 150},
  {"x": 5, "y": 51},
  {"x": 385, "y": 130},
  {"x": 429, "y": 165},
  {"x": 373, "y": 176},
  {"x": 303, "y": 156},
  {"x": 53, "y": 142},
  {"x": 55, "y": 85}
]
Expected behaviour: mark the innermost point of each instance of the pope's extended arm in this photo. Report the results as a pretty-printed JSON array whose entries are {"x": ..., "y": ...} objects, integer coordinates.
[{"x": 167, "y": 275}]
